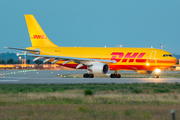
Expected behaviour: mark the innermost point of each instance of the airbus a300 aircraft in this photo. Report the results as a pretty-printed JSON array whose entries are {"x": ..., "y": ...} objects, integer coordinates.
[{"x": 96, "y": 59}]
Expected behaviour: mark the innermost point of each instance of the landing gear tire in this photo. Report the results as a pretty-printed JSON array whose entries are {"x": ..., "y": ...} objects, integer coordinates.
[
  {"x": 156, "y": 76},
  {"x": 112, "y": 75},
  {"x": 119, "y": 75},
  {"x": 86, "y": 75},
  {"x": 115, "y": 76},
  {"x": 91, "y": 75}
]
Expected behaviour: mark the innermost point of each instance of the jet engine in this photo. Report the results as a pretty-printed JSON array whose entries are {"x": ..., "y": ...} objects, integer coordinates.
[
  {"x": 99, "y": 68},
  {"x": 144, "y": 72}
]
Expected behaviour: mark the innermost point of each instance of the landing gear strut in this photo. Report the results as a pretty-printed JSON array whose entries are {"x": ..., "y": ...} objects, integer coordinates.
[
  {"x": 86, "y": 75},
  {"x": 115, "y": 75},
  {"x": 156, "y": 76},
  {"x": 157, "y": 71}
]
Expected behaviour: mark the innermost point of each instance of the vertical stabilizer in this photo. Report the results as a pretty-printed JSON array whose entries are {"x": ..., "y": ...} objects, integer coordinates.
[{"x": 37, "y": 35}]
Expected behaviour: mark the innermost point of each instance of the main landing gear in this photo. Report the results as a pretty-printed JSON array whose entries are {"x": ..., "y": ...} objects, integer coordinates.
[
  {"x": 156, "y": 76},
  {"x": 91, "y": 75},
  {"x": 115, "y": 75},
  {"x": 86, "y": 75}
]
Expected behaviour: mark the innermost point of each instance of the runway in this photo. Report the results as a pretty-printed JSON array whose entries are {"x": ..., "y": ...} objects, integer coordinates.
[
  {"x": 17, "y": 80},
  {"x": 49, "y": 77}
]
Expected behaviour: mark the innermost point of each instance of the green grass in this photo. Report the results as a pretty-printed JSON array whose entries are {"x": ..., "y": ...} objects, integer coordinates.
[
  {"x": 109, "y": 101},
  {"x": 88, "y": 92},
  {"x": 123, "y": 88},
  {"x": 88, "y": 112}
]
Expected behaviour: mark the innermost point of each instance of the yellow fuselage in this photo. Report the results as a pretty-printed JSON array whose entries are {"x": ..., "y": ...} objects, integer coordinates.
[{"x": 126, "y": 58}]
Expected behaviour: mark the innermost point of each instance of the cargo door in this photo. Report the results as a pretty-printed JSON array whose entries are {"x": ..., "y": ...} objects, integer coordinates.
[{"x": 153, "y": 56}]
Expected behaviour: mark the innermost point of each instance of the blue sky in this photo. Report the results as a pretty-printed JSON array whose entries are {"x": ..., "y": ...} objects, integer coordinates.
[{"x": 94, "y": 23}]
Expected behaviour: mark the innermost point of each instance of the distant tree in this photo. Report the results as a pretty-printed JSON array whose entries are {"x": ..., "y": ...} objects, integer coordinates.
[
  {"x": 39, "y": 62},
  {"x": 177, "y": 62},
  {"x": 10, "y": 61},
  {"x": 19, "y": 62},
  {"x": 28, "y": 61},
  {"x": 3, "y": 62}
]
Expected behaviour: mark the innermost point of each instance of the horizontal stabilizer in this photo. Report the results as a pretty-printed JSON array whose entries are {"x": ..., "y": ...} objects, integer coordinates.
[{"x": 22, "y": 49}]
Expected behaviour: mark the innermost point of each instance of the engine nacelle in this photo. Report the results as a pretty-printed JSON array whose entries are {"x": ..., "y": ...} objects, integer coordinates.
[
  {"x": 144, "y": 72},
  {"x": 99, "y": 68}
]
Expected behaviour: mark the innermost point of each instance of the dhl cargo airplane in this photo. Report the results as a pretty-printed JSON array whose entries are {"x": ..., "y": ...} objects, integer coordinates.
[{"x": 96, "y": 59}]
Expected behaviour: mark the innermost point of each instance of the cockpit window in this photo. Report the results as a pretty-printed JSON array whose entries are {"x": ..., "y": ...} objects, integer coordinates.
[{"x": 167, "y": 55}]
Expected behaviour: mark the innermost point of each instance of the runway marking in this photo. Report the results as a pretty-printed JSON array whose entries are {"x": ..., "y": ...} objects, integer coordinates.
[{"x": 9, "y": 80}]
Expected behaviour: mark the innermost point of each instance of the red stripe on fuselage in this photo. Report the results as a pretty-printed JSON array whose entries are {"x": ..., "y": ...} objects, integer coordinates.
[
  {"x": 131, "y": 60},
  {"x": 141, "y": 60},
  {"x": 151, "y": 61}
]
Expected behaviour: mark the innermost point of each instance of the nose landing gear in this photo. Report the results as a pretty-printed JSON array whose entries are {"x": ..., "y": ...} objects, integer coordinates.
[
  {"x": 156, "y": 76},
  {"x": 157, "y": 71}
]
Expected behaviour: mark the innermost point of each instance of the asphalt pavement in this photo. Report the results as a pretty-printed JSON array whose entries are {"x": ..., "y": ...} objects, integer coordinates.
[{"x": 49, "y": 77}]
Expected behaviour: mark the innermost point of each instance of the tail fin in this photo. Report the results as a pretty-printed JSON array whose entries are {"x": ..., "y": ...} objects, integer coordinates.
[{"x": 37, "y": 35}]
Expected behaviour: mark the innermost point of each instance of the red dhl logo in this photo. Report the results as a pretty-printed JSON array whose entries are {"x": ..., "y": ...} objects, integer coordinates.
[
  {"x": 39, "y": 37},
  {"x": 117, "y": 56}
]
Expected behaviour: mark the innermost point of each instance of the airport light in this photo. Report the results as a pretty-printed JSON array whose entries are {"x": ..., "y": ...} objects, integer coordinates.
[
  {"x": 24, "y": 53},
  {"x": 25, "y": 56},
  {"x": 157, "y": 70},
  {"x": 19, "y": 60}
]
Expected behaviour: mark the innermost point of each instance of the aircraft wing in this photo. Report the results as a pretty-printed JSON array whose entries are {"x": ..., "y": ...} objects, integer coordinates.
[
  {"x": 80, "y": 61},
  {"x": 75, "y": 59}
]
